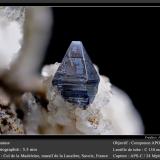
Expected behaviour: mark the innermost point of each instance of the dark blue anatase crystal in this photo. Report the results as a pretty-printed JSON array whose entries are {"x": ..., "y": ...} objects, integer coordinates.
[{"x": 76, "y": 78}]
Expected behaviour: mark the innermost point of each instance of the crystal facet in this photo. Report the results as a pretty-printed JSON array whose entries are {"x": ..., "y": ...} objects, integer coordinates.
[{"x": 76, "y": 78}]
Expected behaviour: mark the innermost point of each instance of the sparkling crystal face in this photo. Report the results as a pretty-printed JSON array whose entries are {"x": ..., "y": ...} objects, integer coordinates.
[{"x": 76, "y": 78}]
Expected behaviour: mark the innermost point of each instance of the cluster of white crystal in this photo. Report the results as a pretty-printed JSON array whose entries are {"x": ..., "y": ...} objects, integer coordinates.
[
  {"x": 11, "y": 23},
  {"x": 111, "y": 112},
  {"x": 13, "y": 13},
  {"x": 32, "y": 116}
]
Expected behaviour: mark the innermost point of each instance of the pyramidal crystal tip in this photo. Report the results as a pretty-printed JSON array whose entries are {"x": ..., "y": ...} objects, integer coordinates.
[{"x": 76, "y": 78}]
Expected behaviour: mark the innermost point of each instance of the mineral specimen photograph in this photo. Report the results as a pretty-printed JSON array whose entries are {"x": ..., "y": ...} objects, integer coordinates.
[{"x": 76, "y": 71}]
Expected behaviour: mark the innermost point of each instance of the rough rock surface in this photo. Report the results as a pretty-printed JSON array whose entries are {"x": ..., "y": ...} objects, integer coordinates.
[{"x": 9, "y": 122}]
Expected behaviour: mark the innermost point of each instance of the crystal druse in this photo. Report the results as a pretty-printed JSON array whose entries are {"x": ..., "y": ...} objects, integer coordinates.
[{"x": 76, "y": 78}]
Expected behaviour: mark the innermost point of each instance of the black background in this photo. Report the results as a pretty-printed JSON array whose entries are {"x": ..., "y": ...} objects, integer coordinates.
[{"x": 123, "y": 42}]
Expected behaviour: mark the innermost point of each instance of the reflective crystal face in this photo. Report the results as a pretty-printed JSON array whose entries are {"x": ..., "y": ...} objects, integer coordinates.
[{"x": 76, "y": 78}]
